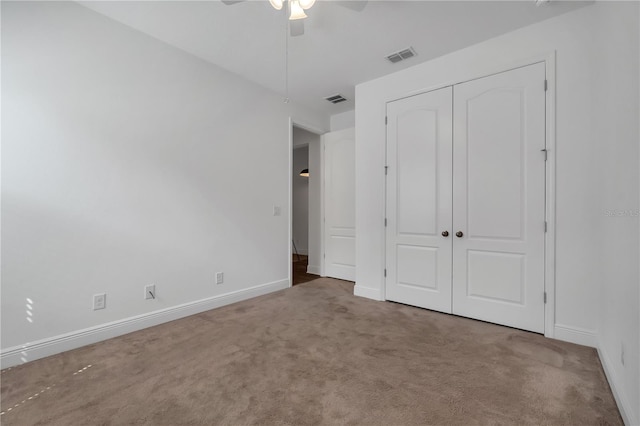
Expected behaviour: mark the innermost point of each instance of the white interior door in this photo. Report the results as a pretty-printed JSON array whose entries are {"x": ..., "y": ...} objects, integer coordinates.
[
  {"x": 499, "y": 198},
  {"x": 339, "y": 205},
  {"x": 419, "y": 200}
]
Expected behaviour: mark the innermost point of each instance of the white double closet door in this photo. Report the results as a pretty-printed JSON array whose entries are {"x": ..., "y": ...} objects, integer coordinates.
[{"x": 465, "y": 202}]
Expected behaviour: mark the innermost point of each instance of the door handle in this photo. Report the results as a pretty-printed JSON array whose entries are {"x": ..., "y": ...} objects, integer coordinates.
[
  {"x": 459, "y": 234},
  {"x": 445, "y": 233}
]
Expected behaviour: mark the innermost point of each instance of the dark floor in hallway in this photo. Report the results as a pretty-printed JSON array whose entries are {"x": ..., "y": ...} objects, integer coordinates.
[{"x": 299, "y": 270}]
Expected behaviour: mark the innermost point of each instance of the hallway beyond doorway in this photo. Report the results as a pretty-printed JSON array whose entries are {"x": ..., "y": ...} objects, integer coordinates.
[{"x": 299, "y": 273}]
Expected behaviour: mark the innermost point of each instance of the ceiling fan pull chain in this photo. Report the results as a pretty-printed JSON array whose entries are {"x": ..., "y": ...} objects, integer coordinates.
[{"x": 286, "y": 60}]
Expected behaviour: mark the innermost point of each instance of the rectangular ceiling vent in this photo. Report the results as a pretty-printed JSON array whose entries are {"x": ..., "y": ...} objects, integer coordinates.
[
  {"x": 336, "y": 99},
  {"x": 401, "y": 55}
]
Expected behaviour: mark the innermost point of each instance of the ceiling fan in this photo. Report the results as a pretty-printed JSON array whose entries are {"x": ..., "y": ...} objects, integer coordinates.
[{"x": 296, "y": 10}]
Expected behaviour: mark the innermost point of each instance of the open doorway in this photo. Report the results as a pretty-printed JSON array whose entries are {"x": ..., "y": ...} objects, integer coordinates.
[{"x": 305, "y": 206}]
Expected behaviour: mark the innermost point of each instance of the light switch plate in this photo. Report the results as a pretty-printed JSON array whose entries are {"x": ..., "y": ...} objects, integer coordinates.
[{"x": 150, "y": 291}]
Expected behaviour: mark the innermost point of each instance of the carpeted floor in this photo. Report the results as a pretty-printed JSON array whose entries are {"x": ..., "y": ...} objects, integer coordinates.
[{"x": 315, "y": 354}]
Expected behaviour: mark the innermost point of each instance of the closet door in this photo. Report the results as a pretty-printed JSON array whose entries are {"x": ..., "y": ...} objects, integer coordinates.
[
  {"x": 418, "y": 207},
  {"x": 499, "y": 198},
  {"x": 340, "y": 204}
]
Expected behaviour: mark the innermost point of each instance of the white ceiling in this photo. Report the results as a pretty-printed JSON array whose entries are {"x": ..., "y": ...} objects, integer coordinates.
[{"x": 340, "y": 47}]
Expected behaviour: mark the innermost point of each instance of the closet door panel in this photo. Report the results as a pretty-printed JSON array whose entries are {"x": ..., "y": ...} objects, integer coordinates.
[
  {"x": 339, "y": 205},
  {"x": 418, "y": 207},
  {"x": 499, "y": 198}
]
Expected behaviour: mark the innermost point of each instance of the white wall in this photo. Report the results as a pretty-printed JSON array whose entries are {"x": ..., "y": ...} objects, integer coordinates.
[
  {"x": 302, "y": 137},
  {"x": 124, "y": 163},
  {"x": 300, "y": 199},
  {"x": 581, "y": 40},
  {"x": 345, "y": 120},
  {"x": 616, "y": 139}
]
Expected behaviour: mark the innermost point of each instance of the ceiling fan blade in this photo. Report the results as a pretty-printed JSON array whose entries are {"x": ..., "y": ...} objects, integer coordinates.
[
  {"x": 296, "y": 27},
  {"x": 231, "y": 2},
  {"x": 357, "y": 5}
]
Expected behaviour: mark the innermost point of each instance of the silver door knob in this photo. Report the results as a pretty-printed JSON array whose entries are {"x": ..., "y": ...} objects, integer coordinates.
[
  {"x": 445, "y": 233},
  {"x": 459, "y": 234}
]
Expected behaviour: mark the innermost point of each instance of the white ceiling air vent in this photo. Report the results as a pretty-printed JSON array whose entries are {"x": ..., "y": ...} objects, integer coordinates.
[
  {"x": 401, "y": 55},
  {"x": 336, "y": 99}
]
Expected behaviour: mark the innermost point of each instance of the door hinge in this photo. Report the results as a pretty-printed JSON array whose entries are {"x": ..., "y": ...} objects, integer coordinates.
[
  {"x": 385, "y": 221},
  {"x": 545, "y": 153},
  {"x": 546, "y": 85},
  {"x": 386, "y": 120},
  {"x": 324, "y": 255},
  {"x": 545, "y": 297},
  {"x": 386, "y": 169},
  {"x": 385, "y": 272},
  {"x": 545, "y": 226}
]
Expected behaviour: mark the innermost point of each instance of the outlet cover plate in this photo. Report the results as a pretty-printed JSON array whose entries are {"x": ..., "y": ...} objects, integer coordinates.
[
  {"x": 219, "y": 277},
  {"x": 99, "y": 301}
]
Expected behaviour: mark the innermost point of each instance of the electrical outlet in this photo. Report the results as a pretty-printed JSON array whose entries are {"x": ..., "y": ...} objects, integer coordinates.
[
  {"x": 219, "y": 277},
  {"x": 276, "y": 210},
  {"x": 99, "y": 301},
  {"x": 150, "y": 291},
  {"x": 622, "y": 353}
]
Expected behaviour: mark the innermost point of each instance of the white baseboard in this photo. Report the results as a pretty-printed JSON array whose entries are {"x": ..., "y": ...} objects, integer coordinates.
[
  {"x": 617, "y": 389},
  {"x": 64, "y": 342},
  {"x": 369, "y": 293},
  {"x": 575, "y": 335},
  {"x": 313, "y": 269}
]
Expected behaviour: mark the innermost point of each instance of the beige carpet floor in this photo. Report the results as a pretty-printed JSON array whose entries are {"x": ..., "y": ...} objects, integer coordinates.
[{"x": 315, "y": 354}]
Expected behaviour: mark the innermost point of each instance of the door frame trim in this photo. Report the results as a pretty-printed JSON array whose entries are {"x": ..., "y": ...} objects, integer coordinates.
[
  {"x": 549, "y": 59},
  {"x": 550, "y": 198},
  {"x": 322, "y": 206}
]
